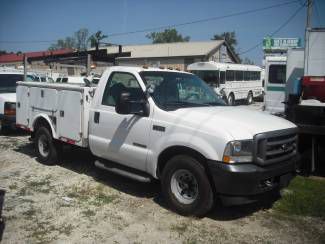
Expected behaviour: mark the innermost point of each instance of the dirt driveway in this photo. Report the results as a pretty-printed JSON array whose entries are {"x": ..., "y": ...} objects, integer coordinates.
[{"x": 75, "y": 203}]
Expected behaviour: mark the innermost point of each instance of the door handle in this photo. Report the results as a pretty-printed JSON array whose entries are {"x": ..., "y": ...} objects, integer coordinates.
[{"x": 96, "y": 117}]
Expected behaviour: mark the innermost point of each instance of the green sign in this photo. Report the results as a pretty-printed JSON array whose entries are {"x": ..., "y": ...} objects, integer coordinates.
[{"x": 281, "y": 44}]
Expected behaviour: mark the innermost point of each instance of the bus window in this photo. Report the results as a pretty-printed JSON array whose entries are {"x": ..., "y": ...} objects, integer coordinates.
[
  {"x": 277, "y": 74},
  {"x": 222, "y": 77},
  {"x": 258, "y": 75},
  {"x": 246, "y": 75},
  {"x": 239, "y": 75},
  {"x": 209, "y": 76},
  {"x": 230, "y": 75}
]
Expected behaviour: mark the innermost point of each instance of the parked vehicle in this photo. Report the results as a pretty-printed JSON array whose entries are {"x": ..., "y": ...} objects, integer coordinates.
[
  {"x": 232, "y": 81},
  {"x": 166, "y": 125},
  {"x": 8, "y": 79},
  {"x": 275, "y": 83},
  {"x": 305, "y": 99}
]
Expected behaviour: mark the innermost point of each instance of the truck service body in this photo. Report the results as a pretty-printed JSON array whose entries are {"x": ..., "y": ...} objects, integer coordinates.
[{"x": 166, "y": 125}]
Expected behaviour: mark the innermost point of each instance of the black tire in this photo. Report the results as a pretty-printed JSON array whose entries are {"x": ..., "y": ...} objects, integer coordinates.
[
  {"x": 204, "y": 198},
  {"x": 51, "y": 155},
  {"x": 231, "y": 99},
  {"x": 249, "y": 99}
]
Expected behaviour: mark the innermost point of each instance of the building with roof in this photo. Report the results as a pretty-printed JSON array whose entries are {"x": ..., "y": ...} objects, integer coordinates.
[
  {"x": 176, "y": 55},
  {"x": 17, "y": 60}
]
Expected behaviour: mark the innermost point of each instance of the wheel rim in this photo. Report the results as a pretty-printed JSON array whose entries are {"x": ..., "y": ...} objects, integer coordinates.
[
  {"x": 43, "y": 146},
  {"x": 230, "y": 100},
  {"x": 184, "y": 186},
  {"x": 250, "y": 98}
]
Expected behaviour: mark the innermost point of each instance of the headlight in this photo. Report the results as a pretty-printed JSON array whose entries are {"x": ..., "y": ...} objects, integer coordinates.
[{"x": 238, "y": 152}]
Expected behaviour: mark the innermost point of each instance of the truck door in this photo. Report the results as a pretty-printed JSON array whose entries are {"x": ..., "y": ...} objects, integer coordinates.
[
  {"x": 117, "y": 137},
  {"x": 275, "y": 87}
]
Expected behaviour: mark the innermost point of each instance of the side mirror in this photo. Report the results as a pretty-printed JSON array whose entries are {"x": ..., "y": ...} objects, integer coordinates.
[{"x": 123, "y": 105}]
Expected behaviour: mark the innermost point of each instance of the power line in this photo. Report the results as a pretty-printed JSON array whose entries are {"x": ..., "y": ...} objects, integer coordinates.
[
  {"x": 277, "y": 30},
  {"x": 203, "y": 20},
  {"x": 174, "y": 25}
]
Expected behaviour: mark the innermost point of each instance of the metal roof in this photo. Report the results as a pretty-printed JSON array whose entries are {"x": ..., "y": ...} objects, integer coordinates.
[
  {"x": 176, "y": 49},
  {"x": 12, "y": 57}
]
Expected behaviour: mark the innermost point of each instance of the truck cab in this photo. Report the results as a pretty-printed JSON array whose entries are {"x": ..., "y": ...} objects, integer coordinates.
[{"x": 149, "y": 123}]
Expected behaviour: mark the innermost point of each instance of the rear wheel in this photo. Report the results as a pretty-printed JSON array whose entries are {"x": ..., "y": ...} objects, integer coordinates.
[
  {"x": 231, "y": 99},
  {"x": 46, "y": 149},
  {"x": 249, "y": 99},
  {"x": 186, "y": 187}
]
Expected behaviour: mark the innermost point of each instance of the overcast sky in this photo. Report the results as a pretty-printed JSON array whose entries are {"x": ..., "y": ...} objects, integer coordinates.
[{"x": 41, "y": 20}]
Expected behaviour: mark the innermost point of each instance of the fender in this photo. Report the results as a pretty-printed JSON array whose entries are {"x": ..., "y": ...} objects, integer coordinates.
[
  {"x": 203, "y": 147},
  {"x": 49, "y": 121}
]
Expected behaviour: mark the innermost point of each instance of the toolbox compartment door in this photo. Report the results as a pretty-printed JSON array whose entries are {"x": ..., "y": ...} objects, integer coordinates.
[
  {"x": 69, "y": 115},
  {"x": 22, "y": 105}
]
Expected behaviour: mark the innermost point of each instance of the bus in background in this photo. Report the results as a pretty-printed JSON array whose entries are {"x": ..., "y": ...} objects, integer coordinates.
[
  {"x": 275, "y": 83},
  {"x": 232, "y": 81}
]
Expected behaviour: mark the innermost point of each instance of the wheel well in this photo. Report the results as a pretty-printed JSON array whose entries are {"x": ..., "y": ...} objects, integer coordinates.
[
  {"x": 41, "y": 122},
  {"x": 177, "y": 150}
]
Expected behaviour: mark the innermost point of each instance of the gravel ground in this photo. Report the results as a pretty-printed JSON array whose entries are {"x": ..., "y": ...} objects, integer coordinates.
[{"x": 76, "y": 203}]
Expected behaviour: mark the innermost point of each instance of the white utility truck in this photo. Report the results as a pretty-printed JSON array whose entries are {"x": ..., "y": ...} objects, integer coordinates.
[{"x": 150, "y": 123}]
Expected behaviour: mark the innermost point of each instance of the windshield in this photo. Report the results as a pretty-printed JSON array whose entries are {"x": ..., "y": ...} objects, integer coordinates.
[
  {"x": 8, "y": 82},
  {"x": 172, "y": 90}
]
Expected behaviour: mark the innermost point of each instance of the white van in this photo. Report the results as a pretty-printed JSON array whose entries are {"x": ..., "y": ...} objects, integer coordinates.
[
  {"x": 232, "y": 81},
  {"x": 275, "y": 83}
]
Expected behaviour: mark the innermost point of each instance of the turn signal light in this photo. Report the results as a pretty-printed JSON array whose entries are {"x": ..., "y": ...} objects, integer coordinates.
[{"x": 226, "y": 159}]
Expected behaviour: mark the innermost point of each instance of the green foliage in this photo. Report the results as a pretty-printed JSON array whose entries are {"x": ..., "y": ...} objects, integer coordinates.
[
  {"x": 78, "y": 41},
  {"x": 96, "y": 38},
  {"x": 304, "y": 196},
  {"x": 167, "y": 36}
]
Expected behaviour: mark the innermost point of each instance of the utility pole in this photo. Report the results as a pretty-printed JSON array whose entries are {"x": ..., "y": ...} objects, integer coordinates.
[
  {"x": 25, "y": 67},
  {"x": 309, "y": 13},
  {"x": 308, "y": 27},
  {"x": 88, "y": 64}
]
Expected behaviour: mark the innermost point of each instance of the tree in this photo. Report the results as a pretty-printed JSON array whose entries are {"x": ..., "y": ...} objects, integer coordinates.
[
  {"x": 78, "y": 41},
  {"x": 167, "y": 36},
  {"x": 96, "y": 38},
  {"x": 81, "y": 37},
  {"x": 247, "y": 61},
  {"x": 230, "y": 38}
]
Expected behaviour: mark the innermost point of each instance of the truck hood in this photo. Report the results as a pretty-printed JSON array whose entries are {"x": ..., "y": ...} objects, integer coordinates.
[
  {"x": 240, "y": 123},
  {"x": 8, "y": 97}
]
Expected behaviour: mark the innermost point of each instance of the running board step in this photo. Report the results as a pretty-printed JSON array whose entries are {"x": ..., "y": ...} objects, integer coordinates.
[{"x": 123, "y": 171}]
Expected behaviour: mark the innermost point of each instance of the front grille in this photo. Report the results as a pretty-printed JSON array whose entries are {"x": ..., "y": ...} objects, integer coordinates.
[{"x": 276, "y": 146}]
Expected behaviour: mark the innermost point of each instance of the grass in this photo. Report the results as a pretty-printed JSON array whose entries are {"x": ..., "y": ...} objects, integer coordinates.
[
  {"x": 91, "y": 195},
  {"x": 88, "y": 213},
  {"x": 305, "y": 197}
]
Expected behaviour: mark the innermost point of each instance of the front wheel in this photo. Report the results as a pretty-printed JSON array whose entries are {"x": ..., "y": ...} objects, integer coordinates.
[
  {"x": 249, "y": 99},
  {"x": 47, "y": 151},
  {"x": 231, "y": 100},
  {"x": 186, "y": 187}
]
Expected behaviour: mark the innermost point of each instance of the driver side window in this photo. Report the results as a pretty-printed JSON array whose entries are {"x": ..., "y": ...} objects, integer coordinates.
[{"x": 118, "y": 83}]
